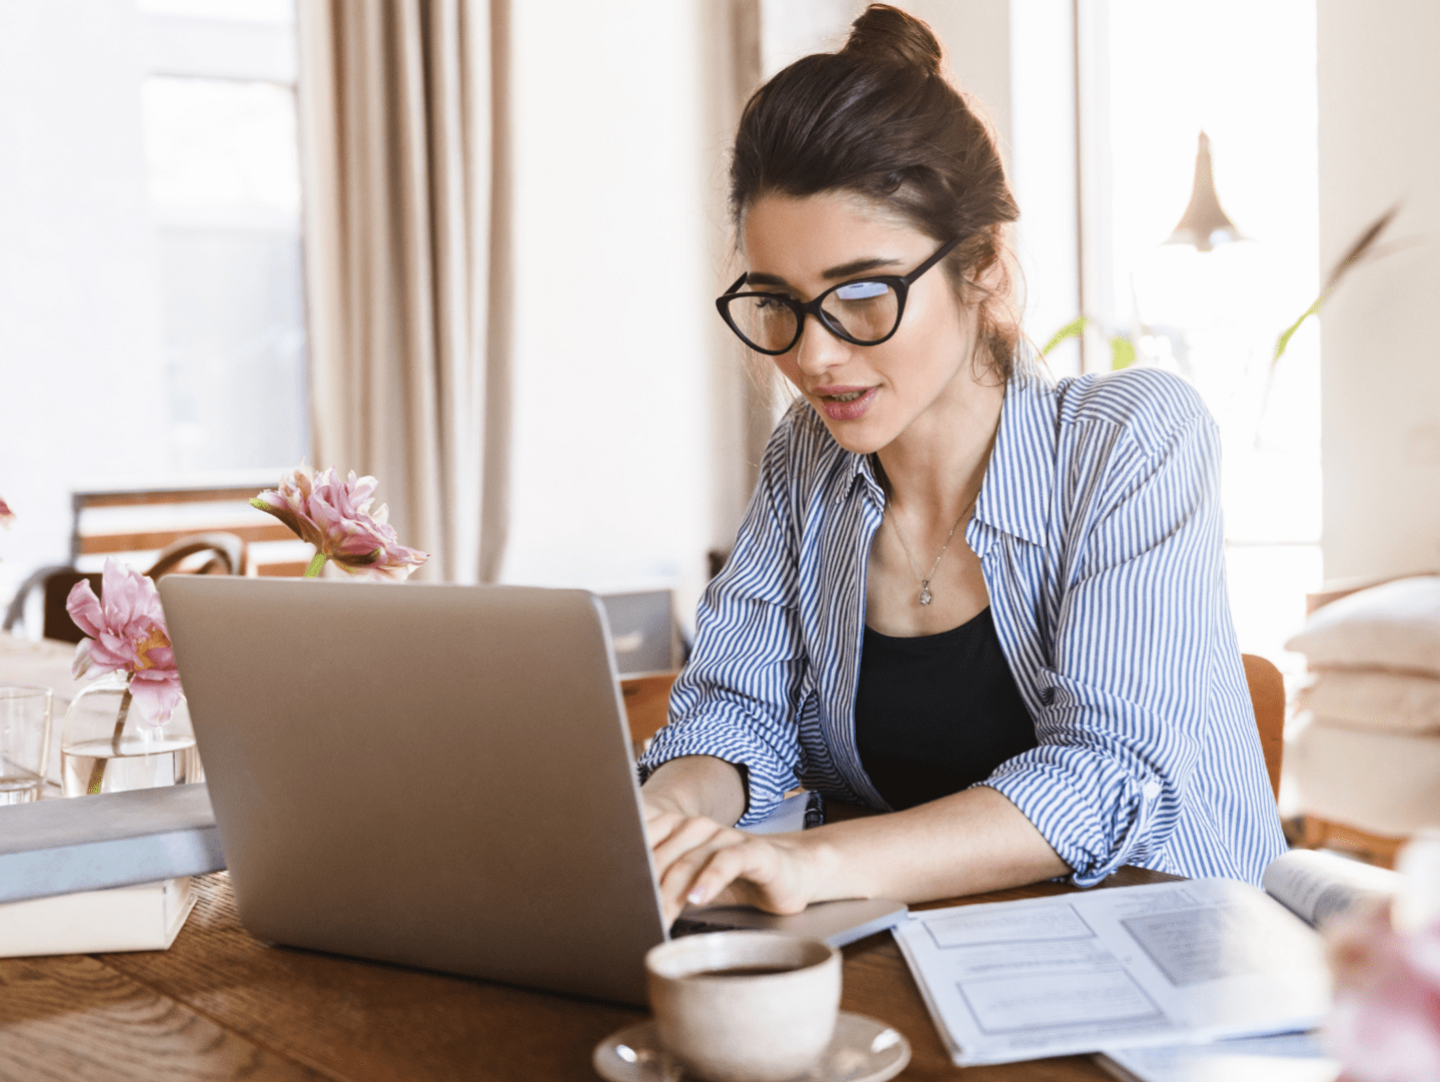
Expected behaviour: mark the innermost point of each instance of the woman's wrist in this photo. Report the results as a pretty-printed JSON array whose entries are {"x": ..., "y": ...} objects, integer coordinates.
[
  {"x": 826, "y": 874},
  {"x": 697, "y": 786}
]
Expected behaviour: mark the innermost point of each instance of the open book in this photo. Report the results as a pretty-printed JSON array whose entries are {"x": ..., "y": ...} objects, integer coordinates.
[{"x": 1160, "y": 964}]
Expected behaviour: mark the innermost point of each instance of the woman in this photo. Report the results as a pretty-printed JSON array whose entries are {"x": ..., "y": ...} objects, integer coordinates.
[{"x": 989, "y": 604}]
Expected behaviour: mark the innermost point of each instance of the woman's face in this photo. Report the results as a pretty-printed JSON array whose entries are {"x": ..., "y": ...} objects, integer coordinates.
[{"x": 916, "y": 383}]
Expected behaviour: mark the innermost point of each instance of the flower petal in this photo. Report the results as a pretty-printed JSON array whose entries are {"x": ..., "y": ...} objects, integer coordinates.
[
  {"x": 84, "y": 608},
  {"x": 81, "y": 665},
  {"x": 157, "y": 693}
]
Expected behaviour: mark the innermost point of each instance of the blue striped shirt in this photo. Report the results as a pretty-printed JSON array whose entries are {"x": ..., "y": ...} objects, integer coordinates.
[{"x": 1099, "y": 534}]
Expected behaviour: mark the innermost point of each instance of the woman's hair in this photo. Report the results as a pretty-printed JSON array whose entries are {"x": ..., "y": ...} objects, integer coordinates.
[{"x": 881, "y": 120}]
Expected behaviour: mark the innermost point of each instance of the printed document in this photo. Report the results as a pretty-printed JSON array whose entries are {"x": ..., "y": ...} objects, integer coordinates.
[{"x": 1160, "y": 964}]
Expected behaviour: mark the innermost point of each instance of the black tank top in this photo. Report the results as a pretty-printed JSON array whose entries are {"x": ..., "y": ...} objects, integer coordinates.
[{"x": 936, "y": 713}]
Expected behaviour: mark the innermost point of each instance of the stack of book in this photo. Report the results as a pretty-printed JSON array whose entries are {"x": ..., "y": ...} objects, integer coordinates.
[{"x": 103, "y": 873}]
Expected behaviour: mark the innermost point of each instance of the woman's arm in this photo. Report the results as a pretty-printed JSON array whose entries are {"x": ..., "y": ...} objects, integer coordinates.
[
  {"x": 696, "y": 786},
  {"x": 735, "y": 702},
  {"x": 965, "y": 843}
]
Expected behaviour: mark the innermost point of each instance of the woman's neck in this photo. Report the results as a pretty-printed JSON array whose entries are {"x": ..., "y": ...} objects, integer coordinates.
[{"x": 934, "y": 469}]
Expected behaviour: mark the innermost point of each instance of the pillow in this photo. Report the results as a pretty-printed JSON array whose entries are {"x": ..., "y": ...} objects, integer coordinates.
[
  {"x": 1384, "y": 783},
  {"x": 1394, "y": 626},
  {"x": 1375, "y": 699}
]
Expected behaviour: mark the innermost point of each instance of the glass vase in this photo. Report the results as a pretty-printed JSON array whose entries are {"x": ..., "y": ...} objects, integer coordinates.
[{"x": 110, "y": 743}]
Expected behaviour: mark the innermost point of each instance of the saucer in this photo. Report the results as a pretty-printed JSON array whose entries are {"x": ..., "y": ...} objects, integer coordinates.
[{"x": 862, "y": 1050}]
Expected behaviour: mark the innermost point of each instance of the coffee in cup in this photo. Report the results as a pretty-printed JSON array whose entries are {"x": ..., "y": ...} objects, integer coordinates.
[{"x": 744, "y": 1006}]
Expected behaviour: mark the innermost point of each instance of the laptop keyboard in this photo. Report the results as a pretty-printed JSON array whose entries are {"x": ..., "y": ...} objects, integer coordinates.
[{"x": 689, "y": 926}]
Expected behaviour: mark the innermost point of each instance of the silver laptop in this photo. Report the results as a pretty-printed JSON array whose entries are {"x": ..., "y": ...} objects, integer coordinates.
[{"x": 438, "y": 776}]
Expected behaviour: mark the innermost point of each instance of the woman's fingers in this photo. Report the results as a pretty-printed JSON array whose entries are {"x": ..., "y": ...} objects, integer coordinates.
[
  {"x": 729, "y": 866},
  {"x": 750, "y": 863}
]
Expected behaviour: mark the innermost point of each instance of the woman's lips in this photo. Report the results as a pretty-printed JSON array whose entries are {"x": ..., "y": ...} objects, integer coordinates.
[{"x": 845, "y": 403}]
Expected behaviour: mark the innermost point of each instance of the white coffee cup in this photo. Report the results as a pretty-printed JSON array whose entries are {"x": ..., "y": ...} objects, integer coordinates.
[{"x": 744, "y": 1006}]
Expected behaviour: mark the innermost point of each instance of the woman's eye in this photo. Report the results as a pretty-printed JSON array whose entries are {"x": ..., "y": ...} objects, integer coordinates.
[
  {"x": 766, "y": 302},
  {"x": 861, "y": 291}
]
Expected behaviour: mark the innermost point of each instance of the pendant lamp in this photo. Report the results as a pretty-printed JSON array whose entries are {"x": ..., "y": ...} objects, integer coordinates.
[{"x": 1204, "y": 224}]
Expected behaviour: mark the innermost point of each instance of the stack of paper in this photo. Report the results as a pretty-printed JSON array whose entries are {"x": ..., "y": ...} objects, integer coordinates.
[{"x": 1161, "y": 964}]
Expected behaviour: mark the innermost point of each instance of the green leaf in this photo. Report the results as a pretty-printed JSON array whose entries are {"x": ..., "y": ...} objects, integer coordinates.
[
  {"x": 1074, "y": 329},
  {"x": 1289, "y": 332},
  {"x": 1122, "y": 353}
]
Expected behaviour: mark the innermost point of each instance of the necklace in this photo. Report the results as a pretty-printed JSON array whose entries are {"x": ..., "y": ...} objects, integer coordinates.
[{"x": 925, "y": 595}]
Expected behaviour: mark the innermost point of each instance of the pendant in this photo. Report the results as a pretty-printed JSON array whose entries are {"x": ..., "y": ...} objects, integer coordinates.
[{"x": 925, "y": 596}]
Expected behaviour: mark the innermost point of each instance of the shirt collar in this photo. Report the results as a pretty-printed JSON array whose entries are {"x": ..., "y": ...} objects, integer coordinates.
[{"x": 1015, "y": 495}]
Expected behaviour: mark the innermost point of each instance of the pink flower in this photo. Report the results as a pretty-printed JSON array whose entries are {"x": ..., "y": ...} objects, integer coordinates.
[
  {"x": 337, "y": 520},
  {"x": 1385, "y": 1024},
  {"x": 127, "y": 633},
  {"x": 7, "y": 516}
]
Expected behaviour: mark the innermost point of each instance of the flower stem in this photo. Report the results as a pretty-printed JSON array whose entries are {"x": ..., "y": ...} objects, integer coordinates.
[
  {"x": 97, "y": 772},
  {"x": 316, "y": 563}
]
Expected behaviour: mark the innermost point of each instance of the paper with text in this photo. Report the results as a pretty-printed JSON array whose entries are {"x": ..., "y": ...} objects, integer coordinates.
[{"x": 1165, "y": 963}]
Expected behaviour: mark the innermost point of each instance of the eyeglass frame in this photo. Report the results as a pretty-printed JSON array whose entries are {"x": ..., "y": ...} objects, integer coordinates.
[{"x": 899, "y": 283}]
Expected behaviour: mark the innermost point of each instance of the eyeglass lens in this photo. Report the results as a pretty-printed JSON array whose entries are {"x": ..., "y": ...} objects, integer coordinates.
[{"x": 866, "y": 311}]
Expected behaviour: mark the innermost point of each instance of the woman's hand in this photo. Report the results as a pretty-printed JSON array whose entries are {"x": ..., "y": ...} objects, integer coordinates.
[{"x": 701, "y": 862}]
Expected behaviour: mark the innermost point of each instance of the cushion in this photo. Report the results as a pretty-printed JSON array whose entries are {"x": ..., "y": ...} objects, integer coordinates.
[
  {"x": 1375, "y": 699},
  {"x": 1384, "y": 783},
  {"x": 1394, "y": 626}
]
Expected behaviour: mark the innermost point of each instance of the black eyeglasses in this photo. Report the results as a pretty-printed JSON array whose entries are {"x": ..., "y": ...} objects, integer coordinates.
[{"x": 865, "y": 311}]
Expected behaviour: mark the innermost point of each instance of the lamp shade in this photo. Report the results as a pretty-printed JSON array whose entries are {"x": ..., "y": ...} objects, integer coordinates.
[{"x": 1204, "y": 224}]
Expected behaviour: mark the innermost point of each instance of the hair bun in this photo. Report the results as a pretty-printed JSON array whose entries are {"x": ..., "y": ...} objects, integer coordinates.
[{"x": 891, "y": 36}]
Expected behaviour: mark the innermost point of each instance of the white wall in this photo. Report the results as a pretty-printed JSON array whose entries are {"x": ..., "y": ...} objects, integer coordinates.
[
  {"x": 1380, "y": 377},
  {"x": 81, "y": 380}
]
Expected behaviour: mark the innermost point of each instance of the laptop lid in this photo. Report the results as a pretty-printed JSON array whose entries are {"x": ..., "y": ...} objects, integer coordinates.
[{"x": 438, "y": 776}]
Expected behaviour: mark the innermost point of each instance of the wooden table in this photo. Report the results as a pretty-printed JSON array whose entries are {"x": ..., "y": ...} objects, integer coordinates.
[{"x": 221, "y": 1005}]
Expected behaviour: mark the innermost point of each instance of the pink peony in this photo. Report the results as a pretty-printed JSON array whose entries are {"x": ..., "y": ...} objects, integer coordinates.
[
  {"x": 127, "y": 633},
  {"x": 7, "y": 516},
  {"x": 336, "y": 519},
  {"x": 1385, "y": 1024}
]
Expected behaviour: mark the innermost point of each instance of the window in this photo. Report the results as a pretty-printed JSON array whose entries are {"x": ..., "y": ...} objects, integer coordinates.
[
  {"x": 150, "y": 286},
  {"x": 1243, "y": 73},
  {"x": 224, "y": 189}
]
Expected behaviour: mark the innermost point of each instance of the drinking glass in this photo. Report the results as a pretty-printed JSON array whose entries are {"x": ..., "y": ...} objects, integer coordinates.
[{"x": 24, "y": 742}]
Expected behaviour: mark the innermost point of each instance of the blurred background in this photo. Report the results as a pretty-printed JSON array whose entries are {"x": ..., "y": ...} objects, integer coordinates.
[{"x": 470, "y": 247}]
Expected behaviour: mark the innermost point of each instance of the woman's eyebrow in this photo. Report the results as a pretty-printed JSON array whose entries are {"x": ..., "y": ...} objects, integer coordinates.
[
  {"x": 754, "y": 278},
  {"x": 845, "y": 270},
  {"x": 858, "y": 266}
]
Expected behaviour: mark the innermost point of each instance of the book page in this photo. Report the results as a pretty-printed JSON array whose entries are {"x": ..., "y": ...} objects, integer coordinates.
[
  {"x": 1318, "y": 887},
  {"x": 1160, "y": 964}
]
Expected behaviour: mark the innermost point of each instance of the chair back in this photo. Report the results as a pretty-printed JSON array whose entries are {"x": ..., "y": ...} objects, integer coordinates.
[
  {"x": 217, "y": 553},
  {"x": 1267, "y": 694}
]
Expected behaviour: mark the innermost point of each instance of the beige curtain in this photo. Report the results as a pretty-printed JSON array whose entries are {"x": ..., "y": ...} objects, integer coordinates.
[{"x": 404, "y": 151}]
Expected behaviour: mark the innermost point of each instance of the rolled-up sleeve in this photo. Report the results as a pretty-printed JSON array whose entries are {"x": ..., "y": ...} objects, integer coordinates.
[
  {"x": 737, "y": 698},
  {"x": 1139, "y": 630}
]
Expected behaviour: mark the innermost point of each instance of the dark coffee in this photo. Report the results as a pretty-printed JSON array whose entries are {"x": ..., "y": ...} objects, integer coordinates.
[{"x": 745, "y": 971}]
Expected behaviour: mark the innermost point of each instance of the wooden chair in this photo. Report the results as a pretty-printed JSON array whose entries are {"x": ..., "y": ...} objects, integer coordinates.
[
  {"x": 218, "y": 554},
  {"x": 159, "y": 518},
  {"x": 647, "y": 702},
  {"x": 1267, "y": 694},
  {"x": 647, "y": 705}
]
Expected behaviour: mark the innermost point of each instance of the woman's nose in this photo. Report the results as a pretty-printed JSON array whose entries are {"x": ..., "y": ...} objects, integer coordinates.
[{"x": 819, "y": 350}]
